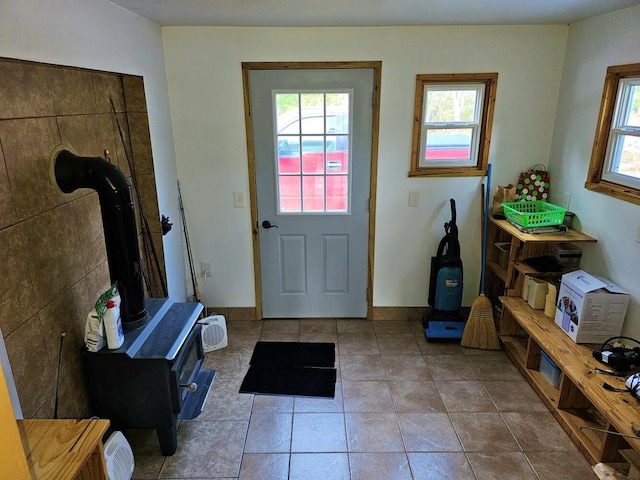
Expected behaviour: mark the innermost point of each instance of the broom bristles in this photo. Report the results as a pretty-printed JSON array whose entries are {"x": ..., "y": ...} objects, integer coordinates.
[{"x": 480, "y": 330}]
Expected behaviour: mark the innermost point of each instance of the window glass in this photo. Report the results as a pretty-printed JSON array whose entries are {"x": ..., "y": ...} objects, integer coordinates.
[{"x": 313, "y": 143}]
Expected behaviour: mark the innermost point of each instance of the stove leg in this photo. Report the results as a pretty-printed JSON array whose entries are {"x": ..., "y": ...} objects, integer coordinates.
[{"x": 167, "y": 438}]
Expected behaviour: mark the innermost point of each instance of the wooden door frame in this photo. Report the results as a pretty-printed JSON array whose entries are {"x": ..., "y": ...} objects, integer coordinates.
[{"x": 247, "y": 67}]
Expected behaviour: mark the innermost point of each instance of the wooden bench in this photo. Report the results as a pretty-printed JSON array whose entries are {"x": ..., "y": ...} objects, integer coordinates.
[{"x": 581, "y": 401}]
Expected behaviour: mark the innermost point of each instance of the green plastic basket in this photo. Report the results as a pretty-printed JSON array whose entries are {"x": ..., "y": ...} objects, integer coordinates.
[{"x": 534, "y": 214}]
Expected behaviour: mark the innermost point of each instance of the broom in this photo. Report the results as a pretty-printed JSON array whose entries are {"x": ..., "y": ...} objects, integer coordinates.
[{"x": 480, "y": 329}]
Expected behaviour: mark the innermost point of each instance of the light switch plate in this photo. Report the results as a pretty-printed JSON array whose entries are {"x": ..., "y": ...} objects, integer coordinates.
[{"x": 238, "y": 200}]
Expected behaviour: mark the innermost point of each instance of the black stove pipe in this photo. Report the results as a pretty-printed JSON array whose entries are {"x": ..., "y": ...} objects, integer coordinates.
[{"x": 118, "y": 221}]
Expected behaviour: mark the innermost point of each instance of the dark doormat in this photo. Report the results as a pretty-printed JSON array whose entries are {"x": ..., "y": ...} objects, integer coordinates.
[
  {"x": 294, "y": 354},
  {"x": 291, "y": 368}
]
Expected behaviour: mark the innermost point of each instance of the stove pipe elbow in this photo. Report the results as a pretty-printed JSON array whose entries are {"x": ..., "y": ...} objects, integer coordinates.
[{"x": 118, "y": 221}]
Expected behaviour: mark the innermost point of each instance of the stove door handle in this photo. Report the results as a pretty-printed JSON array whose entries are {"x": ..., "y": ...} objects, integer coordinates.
[{"x": 191, "y": 387}]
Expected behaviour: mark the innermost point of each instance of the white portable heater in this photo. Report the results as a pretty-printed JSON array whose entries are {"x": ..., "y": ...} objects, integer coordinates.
[
  {"x": 118, "y": 457},
  {"x": 214, "y": 333}
]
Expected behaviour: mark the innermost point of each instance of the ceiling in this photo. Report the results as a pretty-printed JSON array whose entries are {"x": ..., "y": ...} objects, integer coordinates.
[{"x": 315, "y": 13}]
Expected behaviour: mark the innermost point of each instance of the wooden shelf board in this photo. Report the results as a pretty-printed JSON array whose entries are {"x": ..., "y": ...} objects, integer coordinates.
[
  {"x": 517, "y": 346},
  {"x": 543, "y": 384},
  {"x": 571, "y": 235},
  {"x": 500, "y": 272},
  {"x": 578, "y": 365},
  {"x": 526, "y": 269},
  {"x": 590, "y": 439},
  {"x": 58, "y": 449}
]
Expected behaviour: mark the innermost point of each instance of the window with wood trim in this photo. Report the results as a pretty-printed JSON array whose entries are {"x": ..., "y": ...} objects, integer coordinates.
[
  {"x": 452, "y": 121},
  {"x": 615, "y": 159}
]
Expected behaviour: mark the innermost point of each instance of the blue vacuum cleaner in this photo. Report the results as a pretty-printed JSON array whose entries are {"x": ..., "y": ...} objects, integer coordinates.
[{"x": 445, "y": 321}]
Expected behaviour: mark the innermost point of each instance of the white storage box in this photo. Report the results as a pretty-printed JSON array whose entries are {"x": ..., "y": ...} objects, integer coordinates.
[{"x": 590, "y": 309}]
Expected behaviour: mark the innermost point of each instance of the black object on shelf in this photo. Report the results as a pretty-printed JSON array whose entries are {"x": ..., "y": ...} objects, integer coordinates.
[{"x": 544, "y": 264}]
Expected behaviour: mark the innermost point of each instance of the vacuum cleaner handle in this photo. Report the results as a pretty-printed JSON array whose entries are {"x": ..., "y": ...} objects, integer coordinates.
[{"x": 453, "y": 211}]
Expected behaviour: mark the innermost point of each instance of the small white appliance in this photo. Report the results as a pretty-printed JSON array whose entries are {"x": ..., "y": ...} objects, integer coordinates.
[
  {"x": 214, "y": 333},
  {"x": 118, "y": 457}
]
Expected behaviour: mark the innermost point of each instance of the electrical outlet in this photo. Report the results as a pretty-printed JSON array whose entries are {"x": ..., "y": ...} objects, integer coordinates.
[
  {"x": 238, "y": 200},
  {"x": 206, "y": 269},
  {"x": 565, "y": 201},
  {"x": 414, "y": 199}
]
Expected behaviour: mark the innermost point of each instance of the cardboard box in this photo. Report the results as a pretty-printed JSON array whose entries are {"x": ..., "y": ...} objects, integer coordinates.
[{"x": 590, "y": 309}]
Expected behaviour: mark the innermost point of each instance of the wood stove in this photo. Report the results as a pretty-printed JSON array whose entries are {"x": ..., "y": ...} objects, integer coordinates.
[{"x": 155, "y": 377}]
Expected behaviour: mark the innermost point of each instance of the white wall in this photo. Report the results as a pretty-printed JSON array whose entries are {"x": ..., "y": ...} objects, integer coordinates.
[
  {"x": 593, "y": 45},
  {"x": 205, "y": 89},
  {"x": 99, "y": 35}
]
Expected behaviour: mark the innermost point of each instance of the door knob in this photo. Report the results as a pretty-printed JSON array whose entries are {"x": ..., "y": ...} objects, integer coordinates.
[{"x": 268, "y": 224}]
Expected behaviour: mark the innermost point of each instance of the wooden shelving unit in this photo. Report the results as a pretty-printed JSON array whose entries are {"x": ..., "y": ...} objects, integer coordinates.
[
  {"x": 581, "y": 399},
  {"x": 508, "y": 281}
]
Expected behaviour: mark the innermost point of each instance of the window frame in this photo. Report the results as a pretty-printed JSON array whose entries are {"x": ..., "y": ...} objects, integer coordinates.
[
  {"x": 455, "y": 80},
  {"x": 598, "y": 179}
]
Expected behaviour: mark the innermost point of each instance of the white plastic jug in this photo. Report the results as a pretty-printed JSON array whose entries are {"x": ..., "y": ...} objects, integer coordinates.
[{"x": 113, "y": 326}]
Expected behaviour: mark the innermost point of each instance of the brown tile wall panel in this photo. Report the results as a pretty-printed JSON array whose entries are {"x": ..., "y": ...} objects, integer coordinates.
[
  {"x": 98, "y": 281},
  {"x": 87, "y": 135},
  {"x": 25, "y": 90},
  {"x": 73, "y": 92},
  {"x": 33, "y": 369},
  {"x": 17, "y": 298},
  {"x": 52, "y": 244},
  {"x": 153, "y": 266},
  {"x": 88, "y": 218},
  {"x": 149, "y": 197},
  {"x": 108, "y": 87},
  {"x": 134, "y": 93},
  {"x": 27, "y": 145},
  {"x": 53, "y": 247},
  {"x": 8, "y": 214},
  {"x": 122, "y": 155},
  {"x": 141, "y": 143},
  {"x": 67, "y": 313},
  {"x": 73, "y": 398}
]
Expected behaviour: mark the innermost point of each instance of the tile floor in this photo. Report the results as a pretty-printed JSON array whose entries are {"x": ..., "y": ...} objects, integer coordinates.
[{"x": 404, "y": 409}]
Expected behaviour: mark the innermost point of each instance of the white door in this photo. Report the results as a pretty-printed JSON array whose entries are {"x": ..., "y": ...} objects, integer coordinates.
[{"x": 312, "y": 134}]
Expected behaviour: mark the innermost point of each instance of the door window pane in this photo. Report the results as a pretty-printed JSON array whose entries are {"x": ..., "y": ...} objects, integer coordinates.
[
  {"x": 313, "y": 193},
  {"x": 290, "y": 193},
  {"x": 337, "y": 190},
  {"x": 288, "y": 155},
  {"x": 313, "y": 143},
  {"x": 313, "y": 154}
]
